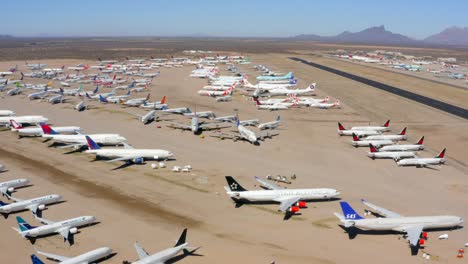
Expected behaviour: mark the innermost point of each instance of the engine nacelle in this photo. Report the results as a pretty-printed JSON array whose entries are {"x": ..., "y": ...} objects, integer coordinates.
[
  {"x": 41, "y": 207},
  {"x": 293, "y": 209},
  {"x": 301, "y": 204},
  {"x": 421, "y": 242},
  {"x": 349, "y": 224},
  {"x": 424, "y": 235},
  {"x": 73, "y": 230},
  {"x": 138, "y": 160},
  {"x": 11, "y": 189}
]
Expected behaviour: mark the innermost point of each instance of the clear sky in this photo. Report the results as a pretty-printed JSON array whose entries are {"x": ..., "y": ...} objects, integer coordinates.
[{"x": 261, "y": 18}]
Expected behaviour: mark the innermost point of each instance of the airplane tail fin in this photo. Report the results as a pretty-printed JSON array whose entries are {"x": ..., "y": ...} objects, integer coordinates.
[
  {"x": 91, "y": 144},
  {"x": 337, "y": 103},
  {"x": 255, "y": 98},
  {"x": 441, "y": 154},
  {"x": 15, "y": 125},
  {"x": 36, "y": 260},
  {"x": 420, "y": 141},
  {"x": 341, "y": 127},
  {"x": 234, "y": 185},
  {"x": 293, "y": 81},
  {"x": 47, "y": 129},
  {"x": 148, "y": 97},
  {"x": 355, "y": 138},
  {"x": 23, "y": 225},
  {"x": 182, "y": 238},
  {"x": 102, "y": 99},
  {"x": 372, "y": 148},
  {"x": 348, "y": 212},
  {"x": 326, "y": 99},
  {"x": 163, "y": 100},
  {"x": 96, "y": 89},
  {"x": 387, "y": 123},
  {"x": 403, "y": 132},
  {"x": 278, "y": 118}
]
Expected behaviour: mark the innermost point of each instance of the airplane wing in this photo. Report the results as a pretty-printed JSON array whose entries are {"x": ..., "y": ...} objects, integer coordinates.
[
  {"x": 268, "y": 185},
  {"x": 53, "y": 256},
  {"x": 213, "y": 126},
  {"x": 13, "y": 198},
  {"x": 179, "y": 126},
  {"x": 65, "y": 232},
  {"x": 77, "y": 145},
  {"x": 267, "y": 134},
  {"x": 127, "y": 146},
  {"x": 413, "y": 233},
  {"x": 126, "y": 158},
  {"x": 286, "y": 202},
  {"x": 381, "y": 211},
  {"x": 227, "y": 136},
  {"x": 33, "y": 208},
  {"x": 43, "y": 220},
  {"x": 4, "y": 191},
  {"x": 141, "y": 252}
]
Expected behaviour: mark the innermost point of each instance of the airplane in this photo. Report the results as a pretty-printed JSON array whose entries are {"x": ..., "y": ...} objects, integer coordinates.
[
  {"x": 245, "y": 134},
  {"x": 248, "y": 122},
  {"x": 164, "y": 255},
  {"x": 114, "y": 98},
  {"x": 72, "y": 92},
  {"x": 224, "y": 98},
  {"x": 6, "y": 73},
  {"x": 35, "y": 205},
  {"x": 216, "y": 93},
  {"x": 396, "y": 155},
  {"x": 267, "y": 85},
  {"x": 417, "y": 146},
  {"x": 196, "y": 126},
  {"x": 415, "y": 228},
  {"x": 137, "y": 101},
  {"x": 38, "y": 95},
  {"x": 37, "y": 131},
  {"x": 286, "y": 91},
  {"x": 79, "y": 141},
  {"x": 66, "y": 228},
  {"x": 6, "y": 188},
  {"x": 365, "y": 143},
  {"x": 88, "y": 257},
  {"x": 35, "y": 66},
  {"x": 155, "y": 105},
  {"x": 423, "y": 162},
  {"x": 325, "y": 105},
  {"x": 400, "y": 136},
  {"x": 291, "y": 200},
  {"x": 342, "y": 131},
  {"x": 289, "y": 75},
  {"x": 5, "y": 120},
  {"x": 7, "y": 113},
  {"x": 230, "y": 118},
  {"x": 78, "y": 68},
  {"x": 205, "y": 114},
  {"x": 383, "y": 128},
  {"x": 14, "y": 91},
  {"x": 180, "y": 110},
  {"x": 81, "y": 106},
  {"x": 56, "y": 99},
  {"x": 275, "y": 106},
  {"x": 270, "y": 125},
  {"x": 148, "y": 117},
  {"x": 127, "y": 154}
]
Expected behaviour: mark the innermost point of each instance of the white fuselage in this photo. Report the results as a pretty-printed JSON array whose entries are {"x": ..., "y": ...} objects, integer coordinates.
[
  {"x": 359, "y": 133},
  {"x": 271, "y": 195},
  {"x": 141, "y": 153},
  {"x": 89, "y": 257},
  {"x": 397, "y": 155},
  {"x": 247, "y": 134},
  {"x": 14, "y": 183},
  {"x": 104, "y": 139},
  {"x": 421, "y": 162},
  {"x": 375, "y": 143},
  {"x": 23, "y": 119},
  {"x": 57, "y": 226},
  {"x": 25, "y": 204},
  {"x": 37, "y": 131},
  {"x": 399, "y": 224},
  {"x": 6, "y": 113},
  {"x": 386, "y": 137},
  {"x": 269, "y": 125},
  {"x": 373, "y": 128},
  {"x": 162, "y": 256},
  {"x": 402, "y": 148}
]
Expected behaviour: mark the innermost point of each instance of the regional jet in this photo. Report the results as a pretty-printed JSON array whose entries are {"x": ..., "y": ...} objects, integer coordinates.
[
  {"x": 412, "y": 227},
  {"x": 35, "y": 205},
  {"x": 291, "y": 200},
  {"x": 423, "y": 162},
  {"x": 66, "y": 228},
  {"x": 88, "y": 257}
]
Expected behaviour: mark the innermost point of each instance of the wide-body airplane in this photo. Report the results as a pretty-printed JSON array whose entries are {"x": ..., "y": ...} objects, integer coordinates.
[
  {"x": 423, "y": 162},
  {"x": 412, "y": 227},
  {"x": 127, "y": 154},
  {"x": 34, "y": 204},
  {"x": 291, "y": 200},
  {"x": 86, "y": 258}
]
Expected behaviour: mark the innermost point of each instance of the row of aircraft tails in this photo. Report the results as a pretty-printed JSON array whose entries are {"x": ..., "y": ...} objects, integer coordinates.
[{"x": 385, "y": 146}]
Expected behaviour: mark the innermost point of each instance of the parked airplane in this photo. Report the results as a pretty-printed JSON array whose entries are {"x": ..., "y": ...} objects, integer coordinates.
[
  {"x": 196, "y": 126},
  {"x": 423, "y": 162},
  {"x": 400, "y": 136},
  {"x": 72, "y": 92},
  {"x": 366, "y": 143},
  {"x": 289, "y": 75},
  {"x": 6, "y": 188},
  {"x": 136, "y": 101},
  {"x": 418, "y": 146},
  {"x": 180, "y": 110},
  {"x": 396, "y": 155},
  {"x": 324, "y": 105},
  {"x": 270, "y": 125},
  {"x": 35, "y": 66},
  {"x": 342, "y": 131},
  {"x": 127, "y": 154},
  {"x": 81, "y": 106},
  {"x": 5, "y": 120},
  {"x": 35, "y": 205},
  {"x": 286, "y": 91},
  {"x": 205, "y": 114},
  {"x": 79, "y": 141},
  {"x": 275, "y": 106},
  {"x": 66, "y": 228},
  {"x": 88, "y": 257},
  {"x": 164, "y": 255},
  {"x": 37, "y": 131},
  {"x": 383, "y": 128},
  {"x": 291, "y": 200},
  {"x": 224, "y": 98},
  {"x": 215, "y": 93},
  {"x": 412, "y": 227},
  {"x": 7, "y": 113},
  {"x": 148, "y": 117},
  {"x": 38, "y": 95},
  {"x": 14, "y": 91}
]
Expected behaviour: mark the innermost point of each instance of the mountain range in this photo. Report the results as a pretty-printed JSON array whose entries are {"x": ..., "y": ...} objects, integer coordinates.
[{"x": 379, "y": 35}]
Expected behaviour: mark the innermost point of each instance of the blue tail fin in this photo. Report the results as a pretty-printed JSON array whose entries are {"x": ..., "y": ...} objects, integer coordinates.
[
  {"x": 348, "y": 212},
  {"x": 36, "y": 260},
  {"x": 278, "y": 118},
  {"x": 46, "y": 129},
  {"x": 91, "y": 143},
  {"x": 2, "y": 203},
  {"x": 23, "y": 225},
  {"x": 96, "y": 90},
  {"x": 102, "y": 99}
]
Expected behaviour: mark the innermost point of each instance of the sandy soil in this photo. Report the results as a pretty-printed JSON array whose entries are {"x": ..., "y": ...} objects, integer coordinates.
[{"x": 153, "y": 206}]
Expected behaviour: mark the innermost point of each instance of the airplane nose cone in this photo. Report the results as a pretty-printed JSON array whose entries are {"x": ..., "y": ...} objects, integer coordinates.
[{"x": 460, "y": 220}]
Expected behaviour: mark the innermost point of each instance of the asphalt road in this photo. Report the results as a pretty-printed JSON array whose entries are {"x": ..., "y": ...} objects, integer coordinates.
[{"x": 442, "y": 106}]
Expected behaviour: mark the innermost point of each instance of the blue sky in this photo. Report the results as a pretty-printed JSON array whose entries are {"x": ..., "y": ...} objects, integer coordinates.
[{"x": 262, "y": 18}]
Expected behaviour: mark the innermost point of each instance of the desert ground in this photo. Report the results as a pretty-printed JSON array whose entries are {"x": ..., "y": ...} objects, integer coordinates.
[{"x": 152, "y": 207}]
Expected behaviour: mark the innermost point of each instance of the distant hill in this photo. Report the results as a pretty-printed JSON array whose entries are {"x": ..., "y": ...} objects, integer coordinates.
[
  {"x": 377, "y": 35},
  {"x": 450, "y": 36},
  {"x": 5, "y": 36}
]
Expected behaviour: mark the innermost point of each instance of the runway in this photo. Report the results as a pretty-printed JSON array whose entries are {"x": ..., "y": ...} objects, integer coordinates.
[{"x": 448, "y": 108}]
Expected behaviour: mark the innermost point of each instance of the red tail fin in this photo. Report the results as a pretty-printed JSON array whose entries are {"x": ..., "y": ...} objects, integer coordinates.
[
  {"x": 387, "y": 123},
  {"x": 256, "y": 100},
  {"x": 163, "y": 100},
  {"x": 372, "y": 148},
  {"x": 355, "y": 138},
  {"x": 420, "y": 141},
  {"x": 341, "y": 127},
  {"x": 15, "y": 125},
  {"x": 403, "y": 132},
  {"x": 441, "y": 154}
]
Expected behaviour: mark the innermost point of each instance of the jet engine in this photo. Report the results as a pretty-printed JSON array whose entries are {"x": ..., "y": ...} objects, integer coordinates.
[{"x": 73, "y": 230}]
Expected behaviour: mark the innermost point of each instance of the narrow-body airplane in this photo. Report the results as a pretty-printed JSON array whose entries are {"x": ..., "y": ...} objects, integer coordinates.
[
  {"x": 423, "y": 162},
  {"x": 86, "y": 258}
]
